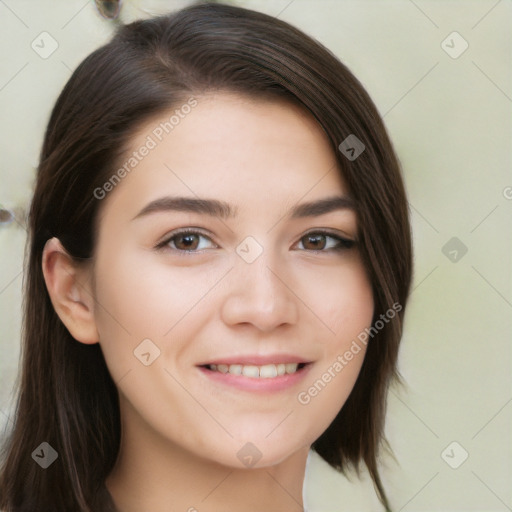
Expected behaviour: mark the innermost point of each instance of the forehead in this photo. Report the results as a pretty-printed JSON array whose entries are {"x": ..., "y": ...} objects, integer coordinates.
[{"x": 249, "y": 152}]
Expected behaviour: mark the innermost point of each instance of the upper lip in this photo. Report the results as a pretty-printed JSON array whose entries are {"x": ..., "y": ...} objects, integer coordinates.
[{"x": 257, "y": 360}]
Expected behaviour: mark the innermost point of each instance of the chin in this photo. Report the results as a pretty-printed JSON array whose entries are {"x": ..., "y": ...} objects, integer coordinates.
[{"x": 262, "y": 453}]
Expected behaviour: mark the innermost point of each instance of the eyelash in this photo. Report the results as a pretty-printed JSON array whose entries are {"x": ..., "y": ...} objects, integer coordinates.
[{"x": 343, "y": 244}]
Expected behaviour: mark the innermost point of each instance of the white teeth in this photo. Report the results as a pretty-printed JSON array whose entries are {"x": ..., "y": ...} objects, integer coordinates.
[
  {"x": 291, "y": 367},
  {"x": 235, "y": 369},
  {"x": 267, "y": 371},
  {"x": 251, "y": 371}
]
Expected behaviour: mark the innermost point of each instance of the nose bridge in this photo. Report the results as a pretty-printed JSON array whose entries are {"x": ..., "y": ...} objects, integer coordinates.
[
  {"x": 263, "y": 283},
  {"x": 258, "y": 294}
]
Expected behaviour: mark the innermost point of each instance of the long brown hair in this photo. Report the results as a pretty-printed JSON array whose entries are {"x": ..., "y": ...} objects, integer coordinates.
[{"x": 66, "y": 395}]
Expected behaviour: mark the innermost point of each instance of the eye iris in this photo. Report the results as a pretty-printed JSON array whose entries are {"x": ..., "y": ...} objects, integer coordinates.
[
  {"x": 190, "y": 241},
  {"x": 317, "y": 241}
]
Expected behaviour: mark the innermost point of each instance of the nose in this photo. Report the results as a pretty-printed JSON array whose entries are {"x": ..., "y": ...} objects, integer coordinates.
[{"x": 259, "y": 295}]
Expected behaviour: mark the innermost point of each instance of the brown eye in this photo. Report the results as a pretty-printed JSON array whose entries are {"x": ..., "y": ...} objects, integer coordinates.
[
  {"x": 325, "y": 242},
  {"x": 314, "y": 242},
  {"x": 187, "y": 241}
]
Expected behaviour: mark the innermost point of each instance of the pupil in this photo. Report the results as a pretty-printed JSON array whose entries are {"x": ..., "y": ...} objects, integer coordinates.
[
  {"x": 188, "y": 240},
  {"x": 316, "y": 240}
]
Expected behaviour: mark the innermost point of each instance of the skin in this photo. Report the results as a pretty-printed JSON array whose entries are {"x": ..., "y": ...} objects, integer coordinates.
[{"x": 182, "y": 432}]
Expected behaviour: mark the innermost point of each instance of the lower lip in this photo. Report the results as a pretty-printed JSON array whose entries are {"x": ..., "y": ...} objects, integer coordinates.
[{"x": 274, "y": 384}]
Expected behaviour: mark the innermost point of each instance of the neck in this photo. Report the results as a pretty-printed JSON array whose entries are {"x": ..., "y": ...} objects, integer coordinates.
[{"x": 153, "y": 473}]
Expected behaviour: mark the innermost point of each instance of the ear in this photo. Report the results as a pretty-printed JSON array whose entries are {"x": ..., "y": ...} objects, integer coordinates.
[{"x": 69, "y": 291}]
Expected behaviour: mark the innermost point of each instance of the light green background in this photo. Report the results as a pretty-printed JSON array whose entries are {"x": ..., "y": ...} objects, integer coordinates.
[{"x": 450, "y": 119}]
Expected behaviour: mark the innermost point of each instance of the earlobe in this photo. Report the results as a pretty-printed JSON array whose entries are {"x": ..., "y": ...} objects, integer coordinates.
[{"x": 71, "y": 296}]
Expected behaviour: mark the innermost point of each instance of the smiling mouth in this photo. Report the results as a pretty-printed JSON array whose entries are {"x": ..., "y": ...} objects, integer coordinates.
[{"x": 266, "y": 371}]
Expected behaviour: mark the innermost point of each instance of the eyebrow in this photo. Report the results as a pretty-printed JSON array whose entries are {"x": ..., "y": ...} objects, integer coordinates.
[{"x": 216, "y": 208}]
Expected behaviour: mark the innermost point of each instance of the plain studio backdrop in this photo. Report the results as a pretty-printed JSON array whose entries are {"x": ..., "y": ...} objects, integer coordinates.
[{"x": 440, "y": 74}]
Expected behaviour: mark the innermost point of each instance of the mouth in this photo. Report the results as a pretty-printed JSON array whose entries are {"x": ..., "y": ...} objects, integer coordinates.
[
  {"x": 255, "y": 374},
  {"x": 266, "y": 371}
]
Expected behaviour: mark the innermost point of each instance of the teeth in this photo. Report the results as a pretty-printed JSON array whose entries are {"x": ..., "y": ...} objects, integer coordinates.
[
  {"x": 235, "y": 369},
  {"x": 291, "y": 367},
  {"x": 267, "y": 371},
  {"x": 249, "y": 371},
  {"x": 222, "y": 368}
]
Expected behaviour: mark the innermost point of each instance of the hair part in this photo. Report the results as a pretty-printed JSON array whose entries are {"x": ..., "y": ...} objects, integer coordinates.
[{"x": 66, "y": 394}]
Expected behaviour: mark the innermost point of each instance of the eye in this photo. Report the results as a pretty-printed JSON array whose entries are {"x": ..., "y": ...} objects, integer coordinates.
[
  {"x": 186, "y": 241},
  {"x": 324, "y": 242}
]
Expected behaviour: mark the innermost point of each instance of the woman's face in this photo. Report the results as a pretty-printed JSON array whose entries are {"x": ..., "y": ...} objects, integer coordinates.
[{"x": 207, "y": 255}]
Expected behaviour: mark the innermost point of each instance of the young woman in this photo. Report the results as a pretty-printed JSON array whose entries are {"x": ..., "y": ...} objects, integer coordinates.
[{"x": 218, "y": 267}]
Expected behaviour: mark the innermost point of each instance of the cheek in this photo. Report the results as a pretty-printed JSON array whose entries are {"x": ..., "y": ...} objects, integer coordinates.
[
  {"x": 351, "y": 306},
  {"x": 139, "y": 299},
  {"x": 127, "y": 301},
  {"x": 344, "y": 303},
  {"x": 341, "y": 299}
]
